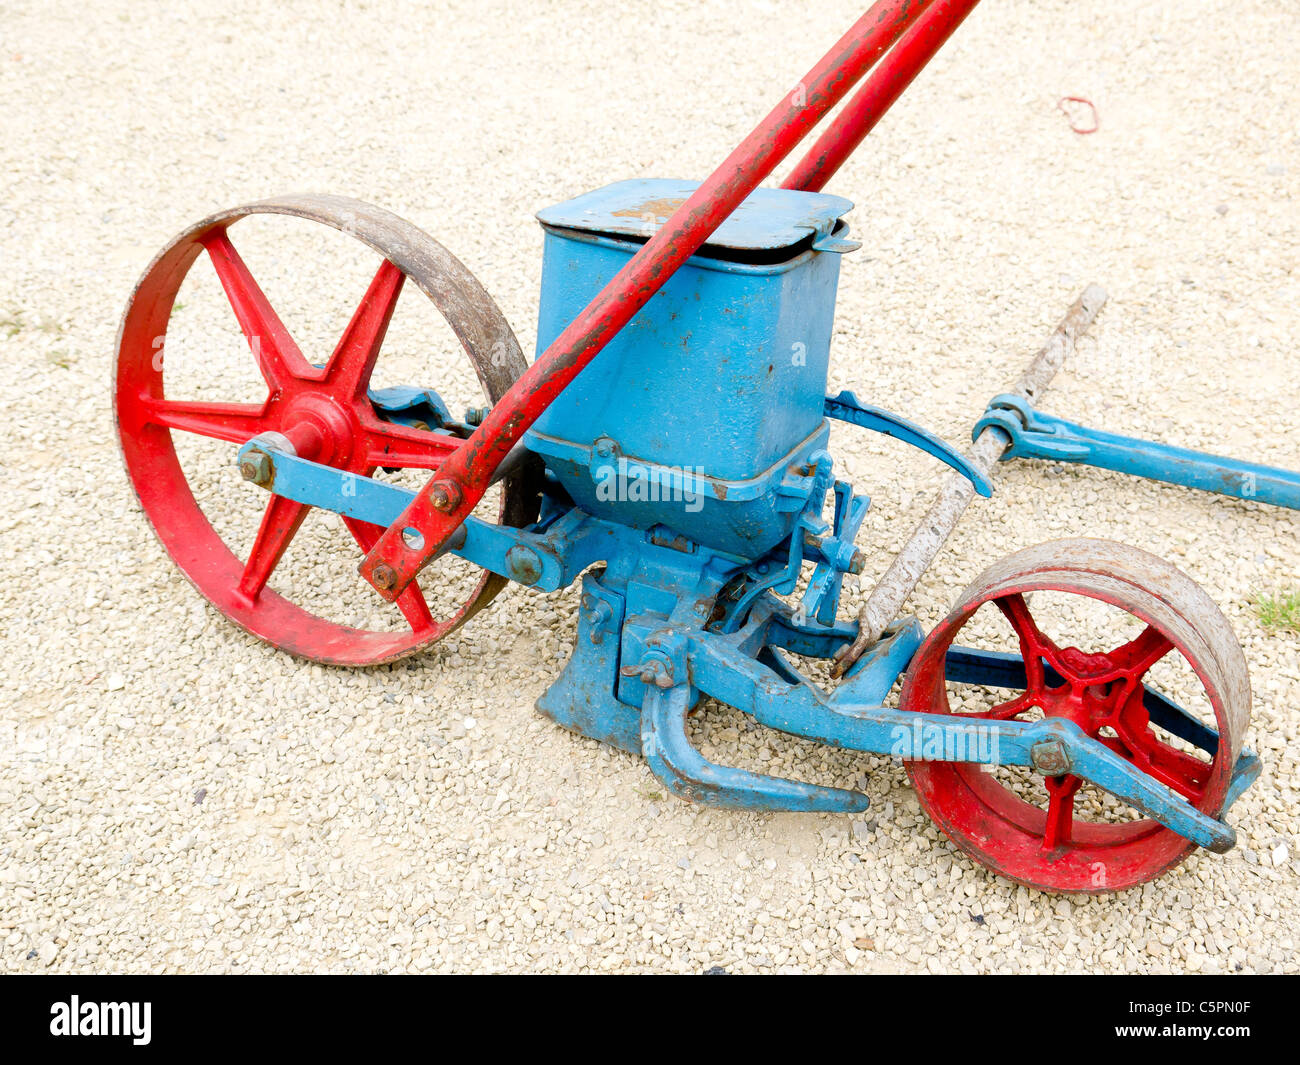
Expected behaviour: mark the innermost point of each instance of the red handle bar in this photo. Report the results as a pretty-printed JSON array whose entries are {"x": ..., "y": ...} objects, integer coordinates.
[{"x": 456, "y": 487}]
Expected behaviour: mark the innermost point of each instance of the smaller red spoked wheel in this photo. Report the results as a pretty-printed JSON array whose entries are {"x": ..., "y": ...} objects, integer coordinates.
[
  {"x": 324, "y": 408},
  {"x": 1062, "y": 833}
]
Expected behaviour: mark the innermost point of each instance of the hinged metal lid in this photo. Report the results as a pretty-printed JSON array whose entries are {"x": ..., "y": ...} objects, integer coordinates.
[{"x": 768, "y": 220}]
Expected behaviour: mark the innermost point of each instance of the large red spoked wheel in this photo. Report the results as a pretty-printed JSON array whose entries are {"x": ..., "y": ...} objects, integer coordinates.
[
  {"x": 1059, "y": 833},
  {"x": 324, "y": 409}
]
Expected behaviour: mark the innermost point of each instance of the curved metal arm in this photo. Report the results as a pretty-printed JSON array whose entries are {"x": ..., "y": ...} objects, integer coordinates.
[
  {"x": 1035, "y": 435},
  {"x": 846, "y": 408}
]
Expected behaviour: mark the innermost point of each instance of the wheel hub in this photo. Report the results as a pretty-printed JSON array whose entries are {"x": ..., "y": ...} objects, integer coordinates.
[
  {"x": 1080, "y": 698},
  {"x": 320, "y": 428}
]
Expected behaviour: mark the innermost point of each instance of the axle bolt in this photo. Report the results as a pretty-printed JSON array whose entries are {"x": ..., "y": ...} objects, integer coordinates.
[
  {"x": 857, "y": 562},
  {"x": 255, "y": 466},
  {"x": 476, "y": 415},
  {"x": 384, "y": 576},
  {"x": 445, "y": 496},
  {"x": 524, "y": 565}
]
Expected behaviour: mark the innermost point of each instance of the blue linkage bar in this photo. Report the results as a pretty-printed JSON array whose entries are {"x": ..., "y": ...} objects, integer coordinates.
[{"x": 1035, "y": 435}]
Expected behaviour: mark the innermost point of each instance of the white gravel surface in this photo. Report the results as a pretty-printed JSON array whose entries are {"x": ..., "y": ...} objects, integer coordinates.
[{"x": 176, "y": 796}]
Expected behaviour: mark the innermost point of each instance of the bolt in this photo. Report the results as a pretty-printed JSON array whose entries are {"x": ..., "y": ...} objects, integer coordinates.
[
  {"x": 1050, "y": 758},
  {"x": 255, "y": 466},
  {"x": 445, "y": 496},
  {"x": 596, "y": 613},
  {"x": 652, "y": 670},
  {"x": 384, "y": 576},
  {"x": 857, "y": 562},
  {"x": 476, "y": 415},
  {"x": 524, "y": 565}
]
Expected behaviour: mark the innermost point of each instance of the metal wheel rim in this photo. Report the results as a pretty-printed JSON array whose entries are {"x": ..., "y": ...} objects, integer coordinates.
[
  {"x": 997, "y": 828},
  {"x": 163, "y": 489}
]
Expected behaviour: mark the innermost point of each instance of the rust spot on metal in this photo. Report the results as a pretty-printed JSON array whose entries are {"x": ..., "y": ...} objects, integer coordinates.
[{"x": 660, "y": 208}]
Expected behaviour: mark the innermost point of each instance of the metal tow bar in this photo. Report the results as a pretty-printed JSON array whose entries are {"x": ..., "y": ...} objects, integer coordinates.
[{"x": 1035, "y": 435}]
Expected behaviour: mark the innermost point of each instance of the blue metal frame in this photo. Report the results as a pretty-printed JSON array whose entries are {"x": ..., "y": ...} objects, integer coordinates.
[
  {"x": 708, "y": 418},
  {"x": 1035, "y": 435},
  {"x": 668, "y": 621}
]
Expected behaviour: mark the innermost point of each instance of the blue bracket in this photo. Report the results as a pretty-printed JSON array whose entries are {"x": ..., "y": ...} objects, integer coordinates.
[
  {"x": 831, "y": 547},
  {"x": 419, "y": 408},
  {"x": 822, "y": 599},
  {"x": 847, "y": 408},
  {"x": 1035, "y": 435}
]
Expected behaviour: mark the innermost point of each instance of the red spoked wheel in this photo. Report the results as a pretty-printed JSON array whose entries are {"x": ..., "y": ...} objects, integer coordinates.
[
  {"x": 1062, "y": 833},
  {"x": 323, "y": 406}
]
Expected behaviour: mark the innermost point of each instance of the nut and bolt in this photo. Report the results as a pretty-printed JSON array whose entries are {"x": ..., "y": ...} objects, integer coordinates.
[
  {"x": 255, "y": 466},
  {"x": 476, "y": 415},
  {"x": 445, "y": 496},
  {"x": 1050, "y": 758},
  {"x": 384, "y": 576},
  {"x": 652, "y": 670},
  {"x": 597, "y": 613}
]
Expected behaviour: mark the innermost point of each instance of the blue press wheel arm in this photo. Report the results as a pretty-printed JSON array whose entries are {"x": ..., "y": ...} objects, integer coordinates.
[{"x": 847, "y": 408}]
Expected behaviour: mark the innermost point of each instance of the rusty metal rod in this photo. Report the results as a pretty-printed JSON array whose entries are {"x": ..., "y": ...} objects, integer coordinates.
[
  {"x": 455, "y": 488},
  {"x": 955, "y": 493},
  {"x": 877, "y": 94}
]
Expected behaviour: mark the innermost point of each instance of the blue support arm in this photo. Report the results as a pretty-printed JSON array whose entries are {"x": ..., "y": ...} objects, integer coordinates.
[
  {"x": 719, "y": 666},
  {"x": 1041, "y": 436},
  {"x": 546, "y": 561}
]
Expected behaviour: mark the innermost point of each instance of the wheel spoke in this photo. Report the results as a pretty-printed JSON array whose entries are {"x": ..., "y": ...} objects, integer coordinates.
[
  {"x": 1176, "y": 769},
  {"x": 1034, "y": 645},
  {"x": 278, "y": 357},
  {"x": 411, "y": 602},
  {"x": 349, "y": 368},
  {"x": 392, "y": 445},
  {"x": 233, "y": 422},
  {"x": 280, "y": 522},
  {"x": 1060, "y": 810},
  {"x": 1133, "y": 659},
  {"x": 1011, "y": 708}
]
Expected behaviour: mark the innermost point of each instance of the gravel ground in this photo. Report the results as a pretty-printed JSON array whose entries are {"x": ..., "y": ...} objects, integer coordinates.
[{"x": 176, "y": 796}]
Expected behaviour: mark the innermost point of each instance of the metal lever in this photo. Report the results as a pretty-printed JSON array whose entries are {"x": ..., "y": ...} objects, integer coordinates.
[{"x": 847, "y": 408}]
